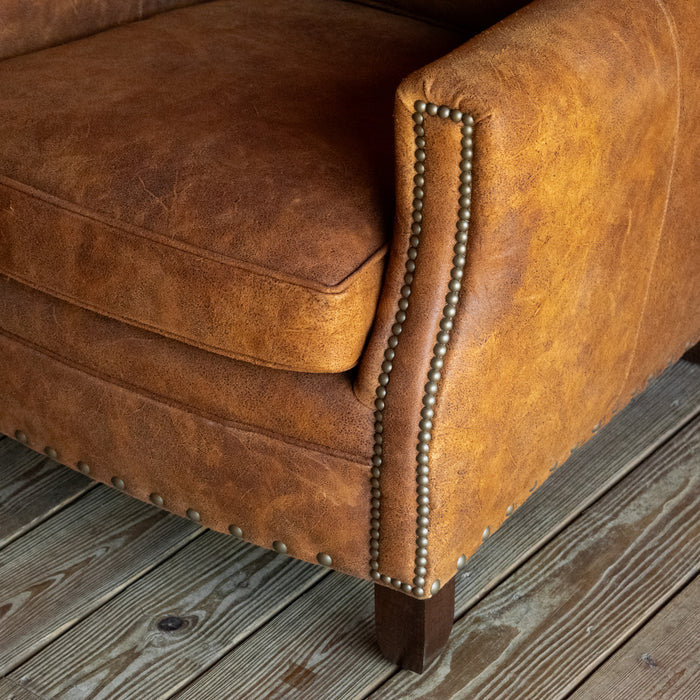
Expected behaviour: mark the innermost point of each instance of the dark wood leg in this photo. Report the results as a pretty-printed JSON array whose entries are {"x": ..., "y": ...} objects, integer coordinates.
[
  {"x": 413, "y": 632},
  {"x": 693, "y": 355}
]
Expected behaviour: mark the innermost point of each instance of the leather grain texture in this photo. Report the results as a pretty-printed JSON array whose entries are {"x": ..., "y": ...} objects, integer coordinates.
[
  {"x": 581, "y": 278},
  {"x": 183, "y": 174},
  {"x": 31, "y": 25},
  {"x": 310, "y": 500},
  {"x": 317, "y": 411}
]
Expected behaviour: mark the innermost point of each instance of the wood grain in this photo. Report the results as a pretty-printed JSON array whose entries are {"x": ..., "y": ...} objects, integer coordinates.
[
  {"x": 322, "y": 646},
  {"x": 10, "y": 690},
  {"x": 32, "y": 488},
  {"x": 334, "y": 649},
  {"x": 69, "y": 565},
  {"x": 661, "y": 661},
  {"x": 208, "y": 597},
  {"x": 564, "y": 611}
]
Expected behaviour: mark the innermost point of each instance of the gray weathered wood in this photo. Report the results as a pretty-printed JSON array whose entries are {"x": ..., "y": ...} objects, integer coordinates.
[
  {"x": 71, "y": 564},
  {"x": 322, "y": 646},
  {"x": 32, "y": 488},
  {"x": 221, "y": 590},
  {"x": 10, "y": 690},
  {"x": 565, "y": 610},
  {"x": 339, "y": 655},
  {"x": 660, "y": 662}
]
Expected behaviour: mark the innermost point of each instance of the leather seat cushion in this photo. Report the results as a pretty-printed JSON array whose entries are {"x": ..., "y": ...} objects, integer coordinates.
[
  {"x": 317, "y": 412},
  {"x": 220, "y": 174}
]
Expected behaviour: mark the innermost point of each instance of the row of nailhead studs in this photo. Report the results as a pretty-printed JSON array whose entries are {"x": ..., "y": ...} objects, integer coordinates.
[
  {"x": 157, "y": 500},
  {"x": 417, "y": 587}
]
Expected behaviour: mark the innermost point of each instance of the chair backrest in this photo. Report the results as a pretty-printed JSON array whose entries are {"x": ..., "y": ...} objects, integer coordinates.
[
  {"x": 470, "y": 15},
  {"x": 30, "y": 25}
]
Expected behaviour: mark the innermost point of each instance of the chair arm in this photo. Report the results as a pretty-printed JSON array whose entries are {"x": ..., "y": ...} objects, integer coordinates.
[
  {"x": 37, "y": 24},
  {"x": 579, "y": 279}
]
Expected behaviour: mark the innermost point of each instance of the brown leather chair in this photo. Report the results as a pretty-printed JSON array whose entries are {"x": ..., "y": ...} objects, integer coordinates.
[{"x": 202, "y": 304}]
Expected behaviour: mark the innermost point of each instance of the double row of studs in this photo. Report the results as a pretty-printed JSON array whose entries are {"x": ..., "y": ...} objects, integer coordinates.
[{"x": 417, "y": 587}]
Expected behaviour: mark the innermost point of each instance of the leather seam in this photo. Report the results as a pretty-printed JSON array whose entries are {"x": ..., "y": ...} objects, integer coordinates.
[
  {"x": 158, "y": 239},
  {"x": 168, "y": 334},
  {"x": 359, "y": 460},
  {"x": 418, "y": 585}
]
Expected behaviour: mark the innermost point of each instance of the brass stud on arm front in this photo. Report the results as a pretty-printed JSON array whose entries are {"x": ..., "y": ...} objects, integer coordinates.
[{"x": 449, "y": 312}]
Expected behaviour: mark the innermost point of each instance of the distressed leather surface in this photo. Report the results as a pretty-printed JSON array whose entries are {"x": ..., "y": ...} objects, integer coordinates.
[
  {"x": 318, "y": 411},
  {"x": 273, "y": 489},
  {"x": 30, "y": 25},
  {"x": 183, "y": 174},
  {"x": 582, "y": 266}
]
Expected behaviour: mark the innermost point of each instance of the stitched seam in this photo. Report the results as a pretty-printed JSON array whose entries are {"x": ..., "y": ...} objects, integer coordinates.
[
  {"x": 186, "y": 340},
  {"x": 159, "y": 239},
  {"x": 359, "y": 460},
  {"x": 418, "y": 585}
]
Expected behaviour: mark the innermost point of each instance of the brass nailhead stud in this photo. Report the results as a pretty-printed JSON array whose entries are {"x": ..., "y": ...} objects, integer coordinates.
[
  {"x": 510, "y": 509},
  {"x": 156, "y": 499},
  {"x": 193, "y": 515},
  {"x": 462, "y": 561},
  {"x": 486, "y": 533},
  {"x": 118, "y": 483},
  {"x": 435, "y": 587},
  {"x": 21, "y": 437},
  {"x": 324, "y": 559},
  {"x": 235, "y": 531},
  {"x": 84, "y": 467},
  {"x": 51, "y": 453},
  {"x": 279, "y": 547}
]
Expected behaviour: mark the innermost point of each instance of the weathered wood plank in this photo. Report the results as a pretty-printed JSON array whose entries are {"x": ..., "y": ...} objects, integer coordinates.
[
  {"x": 71, "y": 564},
  {"x": 322, "y": 646},
  {"x": 565, "y": 610},
  {"x": 661, "y": 661},
  {"x": 32, "y": 488},
  {"x": 208, "y": 597},
  {"x": 9, "y": 690},
  {"x": 338, "y": 656}
]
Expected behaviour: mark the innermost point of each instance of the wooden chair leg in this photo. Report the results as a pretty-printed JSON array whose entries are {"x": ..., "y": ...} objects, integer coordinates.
[
  {"x": 693, "y": 355},
  {"x": 412, "y": 632}
]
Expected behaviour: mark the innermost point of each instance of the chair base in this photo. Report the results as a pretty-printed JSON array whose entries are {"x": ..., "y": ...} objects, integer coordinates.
[{"x": 413, "y": 632}]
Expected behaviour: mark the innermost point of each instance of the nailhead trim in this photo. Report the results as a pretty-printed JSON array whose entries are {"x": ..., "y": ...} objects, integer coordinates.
[{"x": 417, "y": 586}]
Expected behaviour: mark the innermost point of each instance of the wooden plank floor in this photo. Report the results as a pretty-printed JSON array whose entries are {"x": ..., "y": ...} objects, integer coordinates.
[{"x": 590, "y": 590}]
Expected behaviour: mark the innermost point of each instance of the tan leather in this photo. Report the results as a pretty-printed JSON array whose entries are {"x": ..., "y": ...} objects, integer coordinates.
[
  {"x": 183, "y": 175},
  {"x": 311, "y": 501},
  {"x": 316, "y": 411},
  {"x": 580, "y": 282},
  {"x": 581, "y": 278},
  {"x": 30, "y": 25}
]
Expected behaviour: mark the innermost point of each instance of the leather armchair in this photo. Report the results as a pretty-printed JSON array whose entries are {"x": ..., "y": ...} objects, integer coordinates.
[{"x": 202, "y": 303}]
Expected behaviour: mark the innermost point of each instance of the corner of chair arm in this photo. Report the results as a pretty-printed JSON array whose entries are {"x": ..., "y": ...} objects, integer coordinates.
[{"x": 507, "y": 329}]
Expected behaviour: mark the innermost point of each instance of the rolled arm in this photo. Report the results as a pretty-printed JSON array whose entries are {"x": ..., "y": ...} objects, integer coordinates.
[{"x": 579, "y": 280}]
